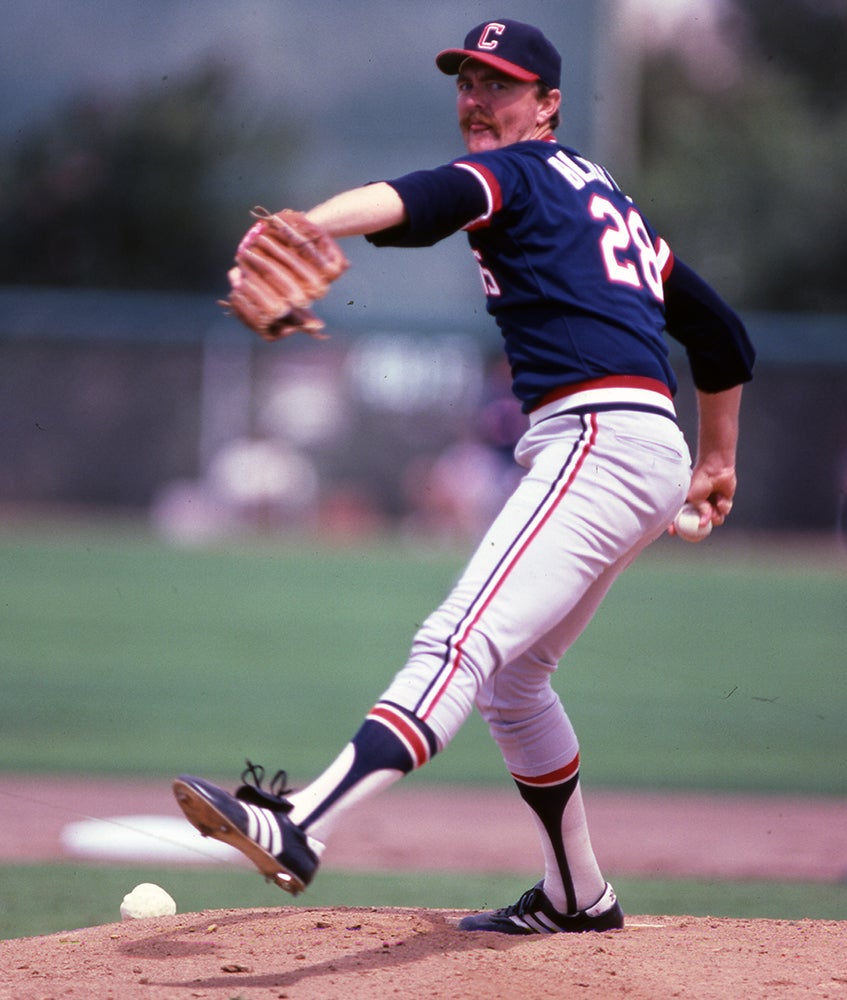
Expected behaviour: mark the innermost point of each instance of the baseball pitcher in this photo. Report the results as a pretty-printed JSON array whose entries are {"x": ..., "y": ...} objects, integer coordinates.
[{"x": 583, "y": 291}]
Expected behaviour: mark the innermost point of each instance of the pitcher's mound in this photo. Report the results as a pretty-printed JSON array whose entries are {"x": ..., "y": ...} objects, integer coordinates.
[{"x": 347, "y": 954}]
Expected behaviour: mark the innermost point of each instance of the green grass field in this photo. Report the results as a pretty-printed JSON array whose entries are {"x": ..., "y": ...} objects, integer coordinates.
[
  {"x": 714, "y": 668},
  {"x": 706, "y": 668},
  {"x": 84, "y": 896}
]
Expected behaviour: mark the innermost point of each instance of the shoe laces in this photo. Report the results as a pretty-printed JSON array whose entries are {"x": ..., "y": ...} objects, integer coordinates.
[
  {"x": 254, "y": 774},
  {"x": 526, "y": 904}
]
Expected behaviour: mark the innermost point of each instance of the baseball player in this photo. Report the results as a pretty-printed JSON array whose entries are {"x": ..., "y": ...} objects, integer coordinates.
[{"x": 582, "y": 290}]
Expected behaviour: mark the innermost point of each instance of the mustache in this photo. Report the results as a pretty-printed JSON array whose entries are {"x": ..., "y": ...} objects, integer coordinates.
[{"x": 476, "y": 119}]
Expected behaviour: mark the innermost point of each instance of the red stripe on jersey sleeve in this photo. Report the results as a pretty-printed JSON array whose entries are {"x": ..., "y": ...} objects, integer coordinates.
[
  {"x": 664, "y": 258},
  {"x": 492, "y": 188}
]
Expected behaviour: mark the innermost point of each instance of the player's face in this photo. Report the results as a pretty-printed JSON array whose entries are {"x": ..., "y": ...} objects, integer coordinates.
[{"x": 496, "y": 110}]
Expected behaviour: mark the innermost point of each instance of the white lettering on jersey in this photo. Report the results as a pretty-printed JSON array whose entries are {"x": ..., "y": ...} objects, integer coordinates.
[
  {"x": 621, "y": 240},
  {"x": 485, "y": 39},
  {"x": 489, "y": 282},
  {"x": 579, "y": 172}
]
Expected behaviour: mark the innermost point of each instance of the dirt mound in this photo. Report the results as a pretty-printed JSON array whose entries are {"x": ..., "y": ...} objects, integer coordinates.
[{"x": 347, "y": 954}]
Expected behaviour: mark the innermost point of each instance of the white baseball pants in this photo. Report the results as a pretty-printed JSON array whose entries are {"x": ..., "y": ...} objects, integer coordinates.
[{"x": 598, "y": 488}]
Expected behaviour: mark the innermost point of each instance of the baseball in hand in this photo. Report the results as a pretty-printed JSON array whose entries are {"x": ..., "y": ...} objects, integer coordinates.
[
  {"x": 687, "y": 524},
  {"x": 147, "y": 900}
]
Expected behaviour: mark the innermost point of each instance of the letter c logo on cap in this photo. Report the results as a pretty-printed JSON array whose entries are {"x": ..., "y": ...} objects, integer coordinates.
[{"x": 485, "y": 39}]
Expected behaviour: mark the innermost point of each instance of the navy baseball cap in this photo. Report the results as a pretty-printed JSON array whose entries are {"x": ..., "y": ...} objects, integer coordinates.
[{"x": 516, "y": 49}]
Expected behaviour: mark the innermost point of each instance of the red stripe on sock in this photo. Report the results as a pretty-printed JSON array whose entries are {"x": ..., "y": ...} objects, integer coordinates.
[
  {"x": 395, "y": 720},
  {"x": 556, "y": 777}
]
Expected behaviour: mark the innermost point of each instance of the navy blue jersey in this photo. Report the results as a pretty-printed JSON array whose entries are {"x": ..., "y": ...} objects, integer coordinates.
[{"x": 572, "y": 272}]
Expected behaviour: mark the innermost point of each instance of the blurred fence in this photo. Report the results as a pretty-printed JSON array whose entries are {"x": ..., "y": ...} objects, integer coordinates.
[{"x": 158, "y": 403}]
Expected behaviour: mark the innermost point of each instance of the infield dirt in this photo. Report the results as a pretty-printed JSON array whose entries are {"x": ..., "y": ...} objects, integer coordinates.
[{"x": 347, "y": 954}]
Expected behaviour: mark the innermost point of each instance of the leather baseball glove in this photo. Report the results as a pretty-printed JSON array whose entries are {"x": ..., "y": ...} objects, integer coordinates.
[{"x": 283, "y": 264}]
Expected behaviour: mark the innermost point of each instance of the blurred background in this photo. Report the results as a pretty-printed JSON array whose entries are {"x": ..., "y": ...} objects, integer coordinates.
[
  {"x": 135, "y": 138},
  {"x": 174, "y": 493}
]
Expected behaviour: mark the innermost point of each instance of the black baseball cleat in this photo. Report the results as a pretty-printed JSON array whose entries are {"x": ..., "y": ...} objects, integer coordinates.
[
  {"x": 255, "y": 822},
  {"x": 534, "y": 914}
]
